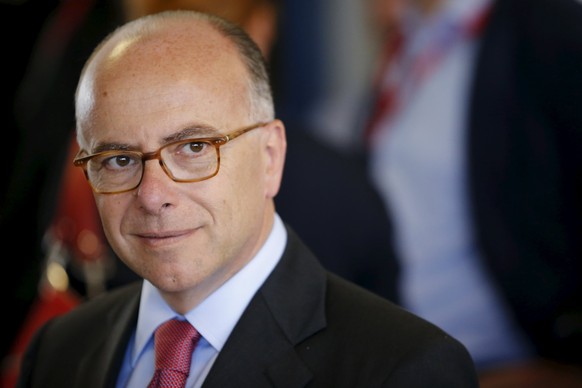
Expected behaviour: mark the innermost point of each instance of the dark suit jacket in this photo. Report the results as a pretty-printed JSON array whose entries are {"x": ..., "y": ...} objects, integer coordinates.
[
  {"x": 304, "y": 327},
  {"x": 525, "y": 166}
]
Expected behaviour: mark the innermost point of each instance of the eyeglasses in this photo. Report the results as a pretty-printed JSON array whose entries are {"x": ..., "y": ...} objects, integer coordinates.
[{"x": 188, "y": 160}]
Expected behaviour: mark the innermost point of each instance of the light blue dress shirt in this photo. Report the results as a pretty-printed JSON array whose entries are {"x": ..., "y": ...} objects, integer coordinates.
[{"x": 214, "y": 318}]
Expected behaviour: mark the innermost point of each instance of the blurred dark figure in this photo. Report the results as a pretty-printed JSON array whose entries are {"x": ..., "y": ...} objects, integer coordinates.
[
  {"x": 43, "y": 125},
  {"x": 48, "y": 208},
  {"x": 475, "y": 142},
  {"x": 22, "y": 19}
]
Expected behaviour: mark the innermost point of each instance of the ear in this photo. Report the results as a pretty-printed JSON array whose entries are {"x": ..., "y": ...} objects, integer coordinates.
[{"x": 275, "y": 148}]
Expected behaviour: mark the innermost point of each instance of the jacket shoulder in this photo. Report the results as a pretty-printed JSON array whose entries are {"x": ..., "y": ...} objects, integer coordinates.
[
  {"x": 97, "y": 329},
  {"x": 386, "y": 344}
]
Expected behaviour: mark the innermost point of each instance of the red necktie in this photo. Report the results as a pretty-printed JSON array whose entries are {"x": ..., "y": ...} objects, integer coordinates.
[{"x": 174, "y": 342}]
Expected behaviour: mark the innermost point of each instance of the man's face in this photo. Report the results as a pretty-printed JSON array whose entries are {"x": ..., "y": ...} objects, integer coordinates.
[{"x": 183, "y": 237}]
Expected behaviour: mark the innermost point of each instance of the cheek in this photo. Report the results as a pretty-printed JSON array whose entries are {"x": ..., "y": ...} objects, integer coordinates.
[
  {"x": 252, "y": 198},
  {"x": 250, "y": 179},
  {"x": 111, "y": 211},
  {"x": 242, "y": 186}
]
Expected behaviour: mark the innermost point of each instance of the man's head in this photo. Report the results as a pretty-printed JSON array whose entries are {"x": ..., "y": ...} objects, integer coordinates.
[{"x": 164, "y": 78}]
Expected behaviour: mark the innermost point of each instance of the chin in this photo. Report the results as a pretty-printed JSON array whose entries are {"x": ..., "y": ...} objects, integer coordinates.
[{"x": 168, "y": 283}]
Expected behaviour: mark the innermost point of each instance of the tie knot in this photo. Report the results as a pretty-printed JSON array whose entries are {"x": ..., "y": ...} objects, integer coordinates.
[{"x": 174, "y": 343}]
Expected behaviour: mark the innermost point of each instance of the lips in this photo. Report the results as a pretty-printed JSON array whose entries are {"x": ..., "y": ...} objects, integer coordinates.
[
  {"x": 160, "y": 235},
  {"x": 162, "y": 238}
]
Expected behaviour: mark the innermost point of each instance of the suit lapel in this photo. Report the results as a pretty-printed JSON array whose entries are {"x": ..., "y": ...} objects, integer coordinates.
[
  {"x": 287, "y": 309},
  {"x": 99, "y": 366}
]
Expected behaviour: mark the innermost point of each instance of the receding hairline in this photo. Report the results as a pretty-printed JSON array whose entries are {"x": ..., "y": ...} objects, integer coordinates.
[
  {"x": 246, "y": 51},
  {"x": 153, "y": 24}
]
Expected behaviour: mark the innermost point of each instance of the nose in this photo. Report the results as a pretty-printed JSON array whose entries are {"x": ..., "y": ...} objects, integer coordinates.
[{"x": 155, "y": 191}]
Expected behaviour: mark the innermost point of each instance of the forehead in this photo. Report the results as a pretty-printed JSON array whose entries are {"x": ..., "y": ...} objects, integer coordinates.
[{"x": 157, "y": 75}]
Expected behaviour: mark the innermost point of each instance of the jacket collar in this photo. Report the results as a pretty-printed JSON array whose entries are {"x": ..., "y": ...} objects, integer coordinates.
[
  {"x": 110, "y": 346},
  {"x": 286, "y": 310}
]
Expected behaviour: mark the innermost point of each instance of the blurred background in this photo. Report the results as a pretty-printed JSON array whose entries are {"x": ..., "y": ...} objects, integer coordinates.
[{"x": 481, "y": 170}]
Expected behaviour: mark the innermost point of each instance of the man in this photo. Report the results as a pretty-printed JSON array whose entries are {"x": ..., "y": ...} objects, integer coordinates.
[
  {"x": 178, "y": 139},
  {"x": 65, "y": 214},
  {"x": 40, "y": 194}
]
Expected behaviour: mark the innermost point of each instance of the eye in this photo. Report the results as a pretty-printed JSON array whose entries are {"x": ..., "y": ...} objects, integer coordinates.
[
  {"x": 117, "y": 161},
  {"x": 194, "y": 147},
  {"x": 191, "y": 149}
]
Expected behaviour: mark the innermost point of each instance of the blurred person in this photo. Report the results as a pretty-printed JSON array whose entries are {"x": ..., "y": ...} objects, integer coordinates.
[
  {"x": 22, "y": 18},
  {"x": 44, "y": 115},
  {"x": 325, "y": 196},
  {"x": 475, "y": 143},
  {"x": 179, "y": 142}
]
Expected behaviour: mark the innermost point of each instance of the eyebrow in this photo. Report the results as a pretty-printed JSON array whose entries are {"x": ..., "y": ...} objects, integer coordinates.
[{"x": 193, "y": 131}]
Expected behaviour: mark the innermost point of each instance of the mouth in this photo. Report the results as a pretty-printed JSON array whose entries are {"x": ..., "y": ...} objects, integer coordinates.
[{"x": 156, "y": 239}]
